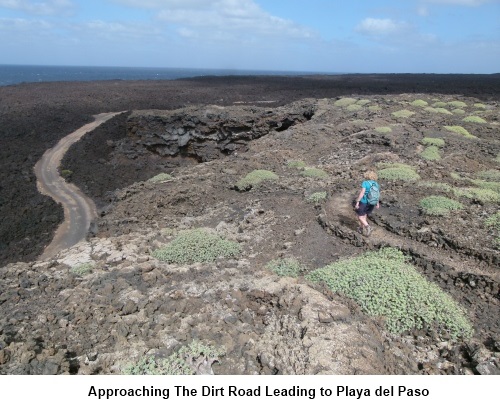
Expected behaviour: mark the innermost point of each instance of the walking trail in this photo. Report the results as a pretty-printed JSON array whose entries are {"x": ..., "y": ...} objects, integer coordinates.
[
  {"x": 340, "y": 218},
  {"x": 79, "y": 210}
]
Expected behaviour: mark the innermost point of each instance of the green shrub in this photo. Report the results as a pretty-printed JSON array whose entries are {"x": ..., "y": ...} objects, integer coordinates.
[
  {"x": 398, "y": 171},
  {"x": 489, "y": 185},
  {"x": 363, "y": 102},
  {"x": 197, "y": 246},
  {"x": 383, "y": 130},
  {"x": 297, "y": 164},
  {"x": 66, "y": 173},
  {"x": 436, "y": 185},
  {"x": 430, "y": 109},
  {"x": 433, "y": 142},
  {"x": 160, "y": 178},
  {"x": 431, "y": 153},
  {"x": 344, "y": 102},
  {"x": 82, "y": 269},
  {"x": 489, "y": 175},
  {"x": 475, "y": 119},
  {"x": 289, "y": 267},
  {"x": 441, "y": 110},
  {"x": 458, "y": 111},
  {"x": 403, "y": 114},
  {"x": 374, "y": 108},
  {"x": 439, "y": 104},
  {"x": 459, "y": 130},
  {"x": 385, "y": 285},
  {"x": 312, "y": 172},
  {"x": 254, "y": 178},
  {"x": 419, "y": 103},
  {"x": 480, "y": 194},
  {"x": 493, "y": 221},
  {"x": 457, "y": 104},
  {"x": 354, "y": 107},
  {"x": 438, "y": 205},
  {"x": 317, "y": 198},
  {"x": 182, "y": 362},
  {"x": 480, "y": 105}
]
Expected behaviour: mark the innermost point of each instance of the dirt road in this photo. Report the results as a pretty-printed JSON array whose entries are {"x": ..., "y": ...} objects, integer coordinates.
[{"x": 79, "y": 210}]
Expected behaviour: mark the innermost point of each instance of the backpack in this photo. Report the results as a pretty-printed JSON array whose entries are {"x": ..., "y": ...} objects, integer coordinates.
[{"x": 374, "y": 193}]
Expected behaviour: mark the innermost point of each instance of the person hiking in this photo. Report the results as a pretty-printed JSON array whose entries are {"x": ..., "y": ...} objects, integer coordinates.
[{"x": 367, "y": 200}]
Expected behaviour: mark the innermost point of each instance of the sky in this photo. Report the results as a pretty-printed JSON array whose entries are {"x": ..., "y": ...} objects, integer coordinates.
[{"x": 335, "y": 36}]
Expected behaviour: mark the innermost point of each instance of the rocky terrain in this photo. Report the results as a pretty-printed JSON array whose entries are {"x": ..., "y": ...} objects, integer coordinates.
[{"x": 109, "y": 302}]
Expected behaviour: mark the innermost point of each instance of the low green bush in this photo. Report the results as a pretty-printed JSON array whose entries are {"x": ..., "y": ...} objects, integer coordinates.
[
  {"x": 313, "y": 172},
  {"x": 475, "y": 119},
  {"x": 288, "y": 267},
  {"x": 457, "y": 104},
  {"x": 489, "y": 175},
  {"x": 458, "y": 111},
  {"x": 344, "y": 102},
  {"x": 433, "y": 142},
  {"x": 419, "y": 103},
  {"x": 398, "y": 171},
  {"x": 385, "y": 285},
  {"x": 255, "y": 178},
  {"x": 480, "y": 106},
  {"x": 493, "y": 221},
  {"x": 82, "y": 269},
  {"x": 383, "y": 130},
  {"x": 354, "y": 107},
  {"x": 197, "y": 246},
  {"x": 431, "y": 153},
  {"x": 182, "y": 362},
  {"x": 435, "y": 185},
  {"x": 439, "y": 205},
  {"x": 460, "y": 130},
  {"x": 483, "y": 195},
  {"x": 363, "y": 102},
  {"x": 160, "y": 178},
  {"x": 296, "y": 164},
  {"x": 66, "y": 173},
  {"x": 439, "y": 104},
  {"x": 317, "y": 198},
  {"x": 441, "y": 110},
  {"x": 403, "y": 114},
  {"x": 374, "y": 108},
  {"x": 489, "y": 185}
]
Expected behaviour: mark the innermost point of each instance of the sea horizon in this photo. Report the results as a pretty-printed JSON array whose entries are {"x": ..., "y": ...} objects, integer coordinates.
[{"x": 11, "y": 74}]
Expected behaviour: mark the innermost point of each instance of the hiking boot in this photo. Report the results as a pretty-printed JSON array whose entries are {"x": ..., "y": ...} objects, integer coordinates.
[
  {"x": 359, "y": 230},
  {"x": 368, "y": 230}
]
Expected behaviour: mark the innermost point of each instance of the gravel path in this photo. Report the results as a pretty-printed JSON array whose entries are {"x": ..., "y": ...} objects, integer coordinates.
[{"x": 79, "y": 210}]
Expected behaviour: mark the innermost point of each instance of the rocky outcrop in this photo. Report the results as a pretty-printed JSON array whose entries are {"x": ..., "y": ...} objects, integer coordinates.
[
  {"x": 127, "y": 306},
  {"x": 209, "y": 132}
]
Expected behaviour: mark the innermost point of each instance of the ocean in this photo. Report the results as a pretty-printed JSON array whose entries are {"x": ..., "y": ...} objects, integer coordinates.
[{"x": 14, "y": 74}]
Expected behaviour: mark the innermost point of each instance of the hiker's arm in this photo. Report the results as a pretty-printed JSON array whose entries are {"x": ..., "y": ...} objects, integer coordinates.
[{"x": 360, "y": 196}]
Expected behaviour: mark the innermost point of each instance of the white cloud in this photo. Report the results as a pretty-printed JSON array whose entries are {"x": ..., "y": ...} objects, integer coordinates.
[
  {"x": 422, "y": 11},
  {"x": 221, "y": 19},
  {"x": 114, "y": 31},
  {"x": 49, "y": 7},
  {"x": 381, "y": 27},
  {"x": 21, "y": 25}
]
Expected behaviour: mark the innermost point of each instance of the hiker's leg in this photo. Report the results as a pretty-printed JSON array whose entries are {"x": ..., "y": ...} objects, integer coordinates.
[{"x": 362, "y": 220}]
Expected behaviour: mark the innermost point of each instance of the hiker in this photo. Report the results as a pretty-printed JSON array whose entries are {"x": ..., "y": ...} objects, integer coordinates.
[{"x": 367, "y": 200}]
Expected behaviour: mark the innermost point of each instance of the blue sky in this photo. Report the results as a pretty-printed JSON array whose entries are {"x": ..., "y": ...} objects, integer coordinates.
[{"x": 359, "y": 36}]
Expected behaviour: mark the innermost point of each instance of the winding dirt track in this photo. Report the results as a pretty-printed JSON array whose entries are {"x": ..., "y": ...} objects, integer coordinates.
[{"x": 79, "y": 210}]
